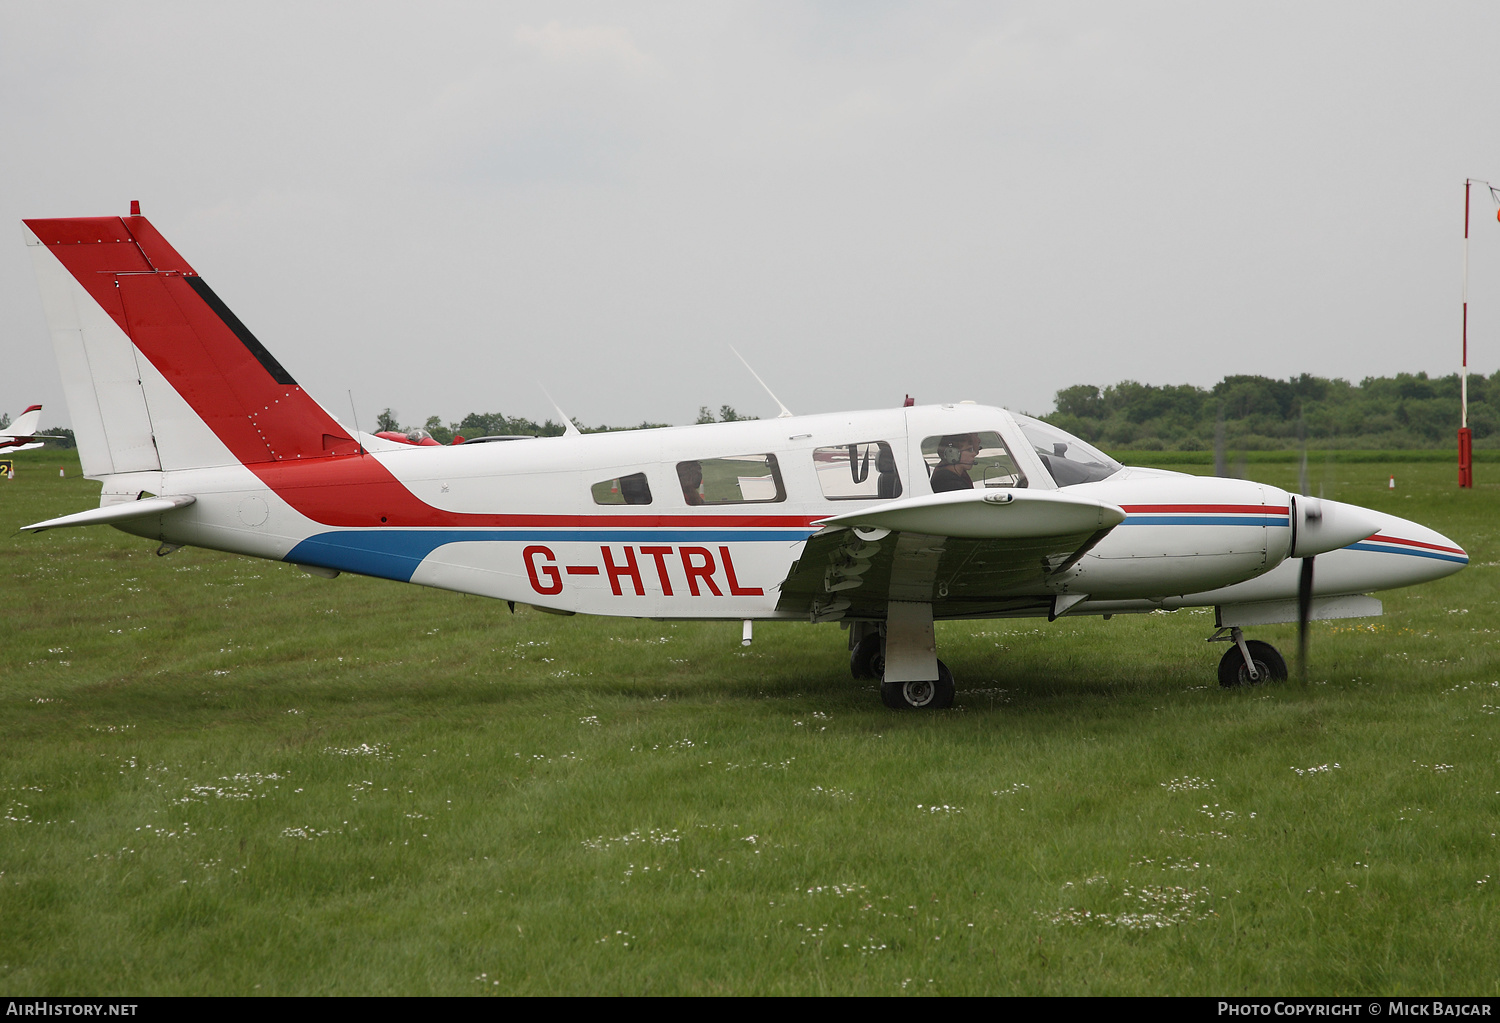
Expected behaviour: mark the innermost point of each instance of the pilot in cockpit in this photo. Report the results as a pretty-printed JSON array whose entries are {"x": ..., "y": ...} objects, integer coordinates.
[{"x": 956, "y": 454}]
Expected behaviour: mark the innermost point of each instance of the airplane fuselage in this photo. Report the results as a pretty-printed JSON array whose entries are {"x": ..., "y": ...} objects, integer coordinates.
[{"x": 522, "y": 521}]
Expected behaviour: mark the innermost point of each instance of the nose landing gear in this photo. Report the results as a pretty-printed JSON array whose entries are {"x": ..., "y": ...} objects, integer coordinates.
[{"x": 1247, "y": 662}]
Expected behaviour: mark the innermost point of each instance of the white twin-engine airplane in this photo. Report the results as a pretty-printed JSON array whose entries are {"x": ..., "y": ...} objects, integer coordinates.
[{"x": 885, "y": 521}]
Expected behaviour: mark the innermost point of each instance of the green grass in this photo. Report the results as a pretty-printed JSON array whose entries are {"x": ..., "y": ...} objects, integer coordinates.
[{"x": 223, "y": 776}]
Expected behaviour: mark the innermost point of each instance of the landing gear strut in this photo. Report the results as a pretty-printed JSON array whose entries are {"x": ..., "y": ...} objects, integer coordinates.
[
  {"x": 1247, "y": 662},
  {"x": 902, "y": 653},
  {"x": 866, "y": 650}
]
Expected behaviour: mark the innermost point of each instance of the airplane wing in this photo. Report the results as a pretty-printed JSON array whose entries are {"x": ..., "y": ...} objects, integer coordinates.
[{"x": 975, "y": 552}]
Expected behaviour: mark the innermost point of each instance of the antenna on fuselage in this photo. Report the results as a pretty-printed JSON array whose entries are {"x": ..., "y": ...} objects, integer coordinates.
[
  {"x": 786, "y": 413},
  {"x": 357, "y": 439},
  {"x": 569, "y": 430}
]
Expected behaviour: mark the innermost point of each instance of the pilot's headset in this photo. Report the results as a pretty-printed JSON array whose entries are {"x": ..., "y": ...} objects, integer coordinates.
[{"x": 951, "y": 450}]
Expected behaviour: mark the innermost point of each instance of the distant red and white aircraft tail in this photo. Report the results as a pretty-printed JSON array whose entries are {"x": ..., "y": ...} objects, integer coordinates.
[
  {"x": 25, "y": 424},
  {"x": 158, "y": 373}
]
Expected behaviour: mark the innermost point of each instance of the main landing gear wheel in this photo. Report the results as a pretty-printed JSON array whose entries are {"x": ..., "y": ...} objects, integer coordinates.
[
  {"x": 1269, "y": 665},
  {"x": 867, "y": 659},
  {"x": 920, "y": 695}
]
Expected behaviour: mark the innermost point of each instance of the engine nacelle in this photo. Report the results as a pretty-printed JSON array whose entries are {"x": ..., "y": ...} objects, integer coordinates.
[{"x": 1319, "y": 526}]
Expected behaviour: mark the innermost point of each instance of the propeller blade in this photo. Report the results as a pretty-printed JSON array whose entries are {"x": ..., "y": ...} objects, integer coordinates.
[
  {"x": 1302, "y": 443},
  {"x": 1304, "y": 612},
  {"x": 1221, "y": 464}
]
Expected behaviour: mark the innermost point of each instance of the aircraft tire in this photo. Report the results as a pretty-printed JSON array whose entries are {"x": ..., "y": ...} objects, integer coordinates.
[
  {"x": 936, "y": 695},
  {"x": 867, "y": 659},
  {"x": 1269, "y": 664}
]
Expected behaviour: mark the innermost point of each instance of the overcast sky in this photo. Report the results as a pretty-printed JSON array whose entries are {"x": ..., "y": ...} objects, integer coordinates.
[{"x": 439, "y": 206}]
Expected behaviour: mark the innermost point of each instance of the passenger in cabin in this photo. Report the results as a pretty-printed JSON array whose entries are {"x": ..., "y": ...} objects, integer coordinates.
[
  {"x": 634, "y": 489},
  {"x": 956, "y": 455},
  {"x": 690, "y": 474}
]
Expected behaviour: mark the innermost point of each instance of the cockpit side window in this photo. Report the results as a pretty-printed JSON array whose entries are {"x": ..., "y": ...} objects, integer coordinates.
[
  {"x": 632, "y": 489},
  {"x": 963, "y": 461},
  {"x": 1069, "y": 460},
  {"x": 854, "y": 472}
]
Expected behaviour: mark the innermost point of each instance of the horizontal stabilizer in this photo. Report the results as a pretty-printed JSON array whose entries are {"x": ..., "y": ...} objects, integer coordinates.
[
  {"x": 114, "y": 513},
  {"x": 993, "y": 514}
]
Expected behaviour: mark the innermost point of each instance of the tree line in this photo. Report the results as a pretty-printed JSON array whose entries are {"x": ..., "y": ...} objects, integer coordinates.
[
  {"x": 1256, "y": 413},
  {"x": 492, "y": 424},
  {"x": 1251, "y": 413}
]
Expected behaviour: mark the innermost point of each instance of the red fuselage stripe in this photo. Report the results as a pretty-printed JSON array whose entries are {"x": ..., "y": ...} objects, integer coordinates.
[
  {"x": 1380, "y": 538},
  {"x": 1204, "y": 509}
]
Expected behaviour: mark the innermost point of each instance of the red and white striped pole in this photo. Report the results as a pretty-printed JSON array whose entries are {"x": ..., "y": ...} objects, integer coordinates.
[{"x": 1465, "y": 439}]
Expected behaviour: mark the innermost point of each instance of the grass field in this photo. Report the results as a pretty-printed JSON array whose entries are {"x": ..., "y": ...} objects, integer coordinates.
[{"x": 222, "y": 776}]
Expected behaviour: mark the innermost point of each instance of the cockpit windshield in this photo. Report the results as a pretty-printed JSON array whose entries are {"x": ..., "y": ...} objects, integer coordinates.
[{"x": 1067, "y": 458}]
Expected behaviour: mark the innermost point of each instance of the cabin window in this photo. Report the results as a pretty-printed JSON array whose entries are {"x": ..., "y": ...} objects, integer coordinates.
[
  {"x": 737, "y": 479},
  {"x": 963, "y": 461},
  {"x": 857, "y": 472},
  {"x": 632, "y": 489}
]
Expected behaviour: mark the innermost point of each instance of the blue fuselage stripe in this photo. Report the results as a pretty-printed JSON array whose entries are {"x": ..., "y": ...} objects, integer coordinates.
[
  {"x": 1380, "y": 549},
  {"x": 397, "y": 553}
]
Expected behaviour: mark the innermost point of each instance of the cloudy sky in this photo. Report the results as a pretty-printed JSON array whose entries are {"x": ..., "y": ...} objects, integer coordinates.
[{"x": 440, "y": 207}]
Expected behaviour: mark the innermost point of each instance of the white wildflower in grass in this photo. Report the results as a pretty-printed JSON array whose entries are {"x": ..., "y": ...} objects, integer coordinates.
[
  {"x": 621, "y": 938},
  {"x": 1149, "y": 907},
  {"x": 246, "y": 785},
  {"x": 832, "y": 793},
  {"x": 764, "y": 765},
  {"x": 653, "y": 836},
  {"x": 843, "y": 891},
  {"x": 1015, "y": 788},
  {"x": 943, "y": 809},
  {"x": 542, "y": 758},
  {"x": 1187, "y": 784},
  {"x": 1320, "y": 769},
  {"x": 1170, "y": 863},
  {"x": 309, "y": 833},
  {"x": 376, "y": 750},
  {"x": 1435, "y": 768},
  {"x": 1220, "y": 814},
  {"x": 592, "y": 719}
]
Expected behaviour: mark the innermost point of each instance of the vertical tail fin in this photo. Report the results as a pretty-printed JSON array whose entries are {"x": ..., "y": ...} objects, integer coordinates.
[
  {"x": 158, "y": 373},
  {"x": 26, "y": 423}
]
